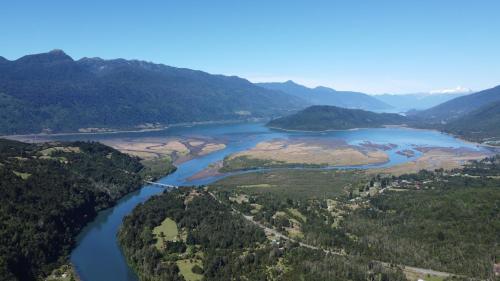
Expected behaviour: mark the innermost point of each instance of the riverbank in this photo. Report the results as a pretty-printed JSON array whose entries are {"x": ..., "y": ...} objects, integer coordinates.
[{"x": 41, "y": 137}]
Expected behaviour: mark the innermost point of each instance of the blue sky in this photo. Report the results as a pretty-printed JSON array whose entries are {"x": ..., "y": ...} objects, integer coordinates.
[{"x": 371, "y": 46}]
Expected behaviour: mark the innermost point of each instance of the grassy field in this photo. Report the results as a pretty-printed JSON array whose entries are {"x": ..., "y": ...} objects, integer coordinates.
[
  {"x": 158, "y": 167},
  {"x": 169, "y": 229},
  {"x": 294, "y": 202},
  {"x": 186, "y": 269},
  {"x": 298, "y": 184}
]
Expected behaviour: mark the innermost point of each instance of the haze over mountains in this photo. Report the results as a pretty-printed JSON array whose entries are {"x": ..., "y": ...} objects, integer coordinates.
[
  {"x": 327, "y": 96},
  {"x": 475, "y": 117},
  {"x": 417, "y": 101},
  {"x": 461, "y": 106},
  {"x": 53, "y": 91}
]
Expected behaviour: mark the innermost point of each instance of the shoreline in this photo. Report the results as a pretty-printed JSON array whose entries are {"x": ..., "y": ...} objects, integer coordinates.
[
  {"x": 117, "y": 131},
  {"x": 389, "y": 127}
]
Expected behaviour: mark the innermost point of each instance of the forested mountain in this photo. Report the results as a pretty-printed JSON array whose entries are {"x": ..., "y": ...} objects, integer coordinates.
[
  {"x": 52, "y": 91},
  {"x": 460, "y": 106},
  {"x": 327, "y": 96},
  {"x": 480, "y": 125},
  {"x": 48, "y": 193},
  {"x": 417, "y": 101},
  {"x": 321, "y": 118}
]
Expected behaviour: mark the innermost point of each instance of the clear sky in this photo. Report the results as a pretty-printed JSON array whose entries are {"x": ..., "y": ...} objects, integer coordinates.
[{"x": 374, "y": 46}]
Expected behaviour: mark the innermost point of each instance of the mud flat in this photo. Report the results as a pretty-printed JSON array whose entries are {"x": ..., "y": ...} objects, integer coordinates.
[
  {"x": 312, "y": 152},
  {"x": 178, "y": 149},
  {"x": 435, "y": 158}
]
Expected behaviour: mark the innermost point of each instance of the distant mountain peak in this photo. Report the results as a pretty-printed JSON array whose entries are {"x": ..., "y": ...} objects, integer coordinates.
[
  {"x": 57, "y": 51},
  {"x": 456, "y": 90},
  {"x": 291, "y": 82},
  {"x": 55, "y": 55},
  {"x": 323, "y": 88}
]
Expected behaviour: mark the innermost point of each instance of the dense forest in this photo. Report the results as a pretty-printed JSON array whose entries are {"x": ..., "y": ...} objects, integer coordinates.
[
  {"x": 53, "y": 92},
  {"x": 49, "y": 192},
  {"x": 214, "y": 243},
  {"x": 323, "y": 118},
  {"x": 442, "y": 220}
]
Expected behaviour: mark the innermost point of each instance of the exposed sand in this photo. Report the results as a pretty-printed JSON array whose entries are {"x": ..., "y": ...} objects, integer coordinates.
[
  {"x": 435, "y": 158},
  {"x": 311, "y": 152},
  {"x": 178, "y": 149},
  {"x": 210, "y": 171},
  {"x": 211, "y": 147}
]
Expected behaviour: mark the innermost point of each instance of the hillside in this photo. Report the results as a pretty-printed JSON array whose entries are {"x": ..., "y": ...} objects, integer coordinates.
[
  {"x": 322, "y": 118},
  {"x": 327, "y": 96},
  {"x": 460, "y": 106},
  {"x": 48, "y": 193},
  {"x": 53, "y": 92},
  {"x": 482, "y": 125},
  {"x": 417, "y": 101},
  {"x": 215, "y": 242}
]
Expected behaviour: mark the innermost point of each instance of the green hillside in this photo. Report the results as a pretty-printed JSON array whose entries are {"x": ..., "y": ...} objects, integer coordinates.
[
  {"x": 49, "y": 192},
  {"x": 53, "y": 92},
  {"x": 322, "y": 118}
]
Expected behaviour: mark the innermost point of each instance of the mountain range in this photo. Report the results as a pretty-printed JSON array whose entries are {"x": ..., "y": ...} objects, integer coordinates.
[
  {"x": 53, "y": 92},
  {"x": 327, "y": 96}
]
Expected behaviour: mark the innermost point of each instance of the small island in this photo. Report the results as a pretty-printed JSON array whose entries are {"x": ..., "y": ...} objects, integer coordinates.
[{"x": 325, "y": 118}]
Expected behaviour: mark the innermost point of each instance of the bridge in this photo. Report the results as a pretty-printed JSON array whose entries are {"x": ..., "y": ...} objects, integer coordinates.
[{"x": 161, "y": 184}]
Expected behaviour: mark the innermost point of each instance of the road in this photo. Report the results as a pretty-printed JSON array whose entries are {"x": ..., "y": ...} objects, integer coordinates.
[{"x": 267, "y": 230}]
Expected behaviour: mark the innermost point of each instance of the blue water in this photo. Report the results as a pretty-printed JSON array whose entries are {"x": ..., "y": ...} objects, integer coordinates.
[{"x": 97, "y": 255}]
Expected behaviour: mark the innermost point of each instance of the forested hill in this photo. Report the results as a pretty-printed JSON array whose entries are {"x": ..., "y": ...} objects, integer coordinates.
[
  {"x": 48, "y": 192},
  {"x": 482, "y": 125},
  {"x": 52, "y": 91},
  {"x": 322, "y": 118},
  {"x": 328, "y": 96}
]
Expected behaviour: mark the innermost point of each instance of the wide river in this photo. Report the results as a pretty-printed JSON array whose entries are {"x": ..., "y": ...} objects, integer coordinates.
[{"x": 97, "y": 255}]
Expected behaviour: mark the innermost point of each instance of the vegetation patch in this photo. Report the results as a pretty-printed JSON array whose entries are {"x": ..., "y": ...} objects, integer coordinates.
[
  {"x": 190, "y": 269},
  {"x": 166, "y": 231},
  {"x": 156, "y": 168},
  {"x": 24, "y": 176}
]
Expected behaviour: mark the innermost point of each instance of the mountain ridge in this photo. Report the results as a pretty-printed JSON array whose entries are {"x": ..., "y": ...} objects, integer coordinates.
[
  {"x": 52, "y": 92},
  {"x": 460, "y": 106},
  {"x": 322, "y": 95}
]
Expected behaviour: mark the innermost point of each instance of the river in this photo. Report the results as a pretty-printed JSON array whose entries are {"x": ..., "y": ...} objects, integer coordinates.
[{"x": 97, "y": 255}]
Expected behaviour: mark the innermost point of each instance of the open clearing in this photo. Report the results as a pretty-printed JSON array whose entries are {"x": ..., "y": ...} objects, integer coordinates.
[
  {"x": 301, "y": 184},
  {"x": 186, "y": 269},
  {"x": 169, "y": 229}
]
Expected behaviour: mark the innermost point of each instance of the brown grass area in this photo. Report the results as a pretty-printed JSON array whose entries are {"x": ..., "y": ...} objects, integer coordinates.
[
  {"x": 435, "y": 158},
  {"x": 310, "y": 152}
]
